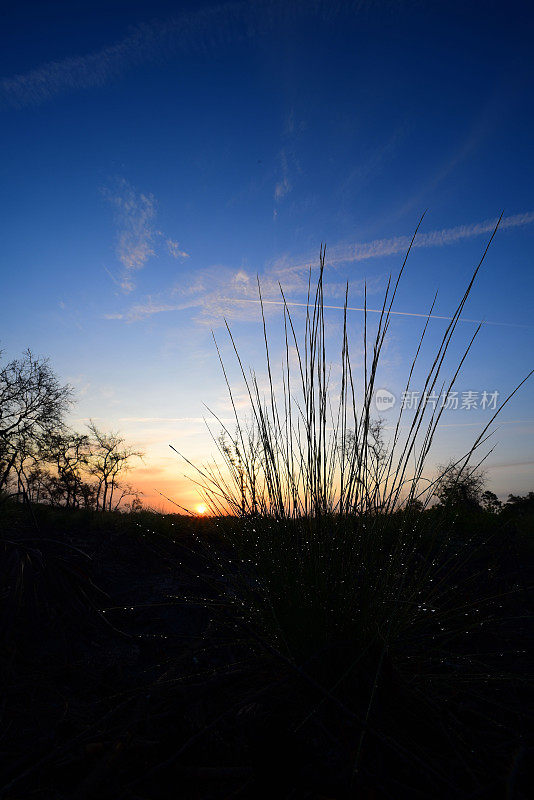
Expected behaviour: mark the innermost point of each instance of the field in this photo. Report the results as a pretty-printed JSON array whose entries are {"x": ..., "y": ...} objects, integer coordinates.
[{"x": 151, "y": 656}]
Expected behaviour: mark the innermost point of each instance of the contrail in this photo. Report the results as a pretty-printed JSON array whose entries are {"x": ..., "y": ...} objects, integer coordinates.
[
  {"x": 191, "y": 31},
  {"x": 373, "y": 311},
  {"x": 379, "y": 248},
  {"x": 440, "y": 238}
]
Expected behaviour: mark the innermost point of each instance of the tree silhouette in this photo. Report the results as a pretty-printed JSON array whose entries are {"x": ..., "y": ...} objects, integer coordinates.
[
  {"x": 32, "y": 405},
  {"x": 110, "y": 456},
  {"x": 459, "y": 488},
  {"x": 70, "y": 454},
  {"x": 491, "y": 502}
]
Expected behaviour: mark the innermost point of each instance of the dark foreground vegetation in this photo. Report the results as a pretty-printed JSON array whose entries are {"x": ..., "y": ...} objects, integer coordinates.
[
  {"x": 353, "y": 628},
  {"x": 150, "y": 656}
]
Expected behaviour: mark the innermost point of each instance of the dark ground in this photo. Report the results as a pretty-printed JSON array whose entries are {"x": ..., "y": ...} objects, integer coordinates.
[{"x": 119, "y": 680}]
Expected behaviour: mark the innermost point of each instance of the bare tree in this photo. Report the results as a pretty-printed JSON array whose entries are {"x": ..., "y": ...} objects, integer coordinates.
[
  {"x": 32, "y": 405},
  {"x": 27, "y": 475},
  {"x": 134, "y": 504},
  {"x": 374, "y": 463},
  {"x": 110, "y": 458},
  {"x": 69, "y": 453}
]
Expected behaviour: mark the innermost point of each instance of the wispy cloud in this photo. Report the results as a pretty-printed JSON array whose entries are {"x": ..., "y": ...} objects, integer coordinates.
[
  {"x": 361, "y": 251},
  {"x": 145, "y": 309},
  {"x": 283, "y": 186},
  {"x": 512, "y": 464},
  {"x": 174, "y": 249},
  {"x": 233, "y": 293},
  {"x": 143, "y": 44},
  {"x": 137, "y": 238},
  {"x": 135, "y": 214},
  {"x": 220, "y": 292},
  {"x": 170, "y": 420},
  {"x": 158, "y": 420},
  {"x": 477, "y": 424},
  {"x": 198, "y": 30}
]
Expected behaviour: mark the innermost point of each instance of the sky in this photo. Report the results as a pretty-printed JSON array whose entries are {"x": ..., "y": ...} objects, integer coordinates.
[{"x": 158, "y": 156}]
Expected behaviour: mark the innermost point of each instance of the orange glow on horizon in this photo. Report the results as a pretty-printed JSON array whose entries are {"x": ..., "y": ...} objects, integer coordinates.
[
  {"x": 162, "y": 490},
  {"x": 201, "y": 509}
]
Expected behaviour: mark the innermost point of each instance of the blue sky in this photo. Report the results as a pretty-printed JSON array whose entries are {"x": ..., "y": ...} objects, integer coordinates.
[{"x": 157, "y": 156}]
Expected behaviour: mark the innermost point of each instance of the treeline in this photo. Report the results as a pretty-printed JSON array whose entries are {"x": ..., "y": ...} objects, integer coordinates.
[
  {"x": 463, "y": 491},
  {"x": 42, "y": 460}
]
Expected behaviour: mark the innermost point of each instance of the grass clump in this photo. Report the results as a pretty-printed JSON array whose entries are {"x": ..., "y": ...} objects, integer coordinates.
[{"x": 341, "y": 573}]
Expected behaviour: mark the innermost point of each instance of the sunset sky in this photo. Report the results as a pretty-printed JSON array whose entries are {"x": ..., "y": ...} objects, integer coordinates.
[{"x": 157, "y": 156}]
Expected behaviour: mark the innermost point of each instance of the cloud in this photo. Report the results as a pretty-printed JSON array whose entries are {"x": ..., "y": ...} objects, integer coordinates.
[
  {"x": 440, "y": 238},
  {"x": 344, "y": 253},
  {"x": 512, "y": 465},
  {"x": 144, "y": 43},
  {"x": 221, "y": 291},
  {"x": 134, "y": 215},
  {"x": 195, "y": 31},
  {"x": 157, "y": 420},
  {"x": 142, "y": 310},
  {"x": 137, "y": 239},
  {"x": 282, "y": 188},
  {"x": 477, "y": 424},
  {"x": 284, "y": 185},
  {"x": 233, "y": 293},
  {"x": 174, "y": 249}
]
